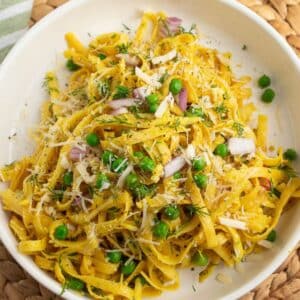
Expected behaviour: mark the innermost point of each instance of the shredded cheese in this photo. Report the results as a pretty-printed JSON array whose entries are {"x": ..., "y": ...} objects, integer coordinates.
[
  {"x": 233, "y": 223},
  {"x": 163, "y": 106},
  {"x": 146, "y": 78},
  {"x": 164, "y": 58}
]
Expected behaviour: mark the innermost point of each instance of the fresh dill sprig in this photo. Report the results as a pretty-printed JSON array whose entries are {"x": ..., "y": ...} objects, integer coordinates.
[
  {"x": 221, "y": 109},
  {"x": 104, "y": 88},
  {"x": 121, "y": 92},
  {"x": 46, "y": 84},
  {"x": 123, "y": 48},
  {"x": 56, "y": 194},
  {"x": 193, "y": 209},
  {"x": 239, "y": 128}
]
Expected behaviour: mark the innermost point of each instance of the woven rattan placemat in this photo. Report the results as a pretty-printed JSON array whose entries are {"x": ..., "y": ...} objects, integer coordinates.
[{"x": 284, "y": 15}]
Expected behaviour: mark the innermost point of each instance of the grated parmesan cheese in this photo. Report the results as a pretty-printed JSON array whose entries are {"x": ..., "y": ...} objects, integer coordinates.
[
  {"x": 81, "y": 167},
  {"x": 163, "y": 106},
  {"x": 190, "y": 152},
  {"x": 141, "y": 240},
  {"x": 233, "y": 223},
  {"x": 241, "y": 146},
  {"x": 64, "y": 162},
  {"x": 146, "y": 78},
  {"x": 123, "y": 176},
  {"x": 53, "y": 145},
  {"x": 206, "y": 102},
  {"x": 266, "y": 244},
  {"x": 145, "y": 208},
  {"x": 164, "y": 58}
]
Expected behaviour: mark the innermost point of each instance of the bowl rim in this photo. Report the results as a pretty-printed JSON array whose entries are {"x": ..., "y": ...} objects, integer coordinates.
[{"x": 41, "y": 276}]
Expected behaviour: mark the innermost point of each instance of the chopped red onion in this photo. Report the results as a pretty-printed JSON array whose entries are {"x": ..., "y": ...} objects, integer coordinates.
[
  {"x": 130, "y": 60},
  {"x": 76, "y": 201},
  {"x": 183, "y": 96},
  {"x": 176, "y": 164},
  {"x": 141, "y": 92},
  {"x": 76, "y": 154},
  {"x": 170, "y": 26},
  {"x": 174, "y": 21},
  {"x": 119, "y": 111},
  {"x": 126, "y": 102}
]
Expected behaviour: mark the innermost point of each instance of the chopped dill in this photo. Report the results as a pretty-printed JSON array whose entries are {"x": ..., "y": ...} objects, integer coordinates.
[
  {"x": 163, "y": 78},
  {"x": 126, "y": 27},
  {"x": 193, "y": 209},
  {"x": 221, "y": 108},
  {"x": 123, "y": 48},
  {"x": 46, "y": 84},
  {"x": 104, "y": 87},
  {"x": 238, "y": 127},
  {"x": 121, "y": 92},
  {"x": 56, "y": 194}
]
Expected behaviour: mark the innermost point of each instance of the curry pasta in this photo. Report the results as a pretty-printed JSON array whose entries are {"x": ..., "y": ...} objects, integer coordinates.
[{"x": 145, "y": 163}]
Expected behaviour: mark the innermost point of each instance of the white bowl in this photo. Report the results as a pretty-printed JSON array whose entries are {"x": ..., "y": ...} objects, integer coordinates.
[{"x": 226, "y": 25}]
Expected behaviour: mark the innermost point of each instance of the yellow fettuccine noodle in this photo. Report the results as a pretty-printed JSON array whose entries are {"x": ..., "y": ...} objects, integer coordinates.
[{"x": 97, "y": 203}]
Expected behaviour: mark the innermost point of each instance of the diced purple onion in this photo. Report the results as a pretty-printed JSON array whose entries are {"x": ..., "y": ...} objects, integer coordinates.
[
  {"x": 76, "y": 201},
  {"x": 170, "y": 26},
  {"x": 76, "y": 154},
  {"x": 175, "y": 165},
  {"x": 183, "y": 96},
  {"x": 126, "y": 102},
  {"x": 140, "y": 93},
  {"x": 130, "y": 60}
]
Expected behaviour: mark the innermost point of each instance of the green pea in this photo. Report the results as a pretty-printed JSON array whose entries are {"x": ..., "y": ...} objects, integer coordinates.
[
  {"x": 92, "y": 139},
  {"x": 68, "y": 178},
  {"x": 195, "y": 112},
  {"x": 128, "y": 268},
  {"x": 147, "y": 164},
  {"x": 221, "y": 150},
  {"x": 132, "y": 180},
  {"x": 201, "y": 180},
  {"x": 114, "y": 256},
  {"x": 101, "y": 179},
  {"x": 141, "y": 190},
  {"x": 152, "y": 99},
  {"x": 119, "y": 165},
  {"x": 75, "y": 284},
  {"x": 264, "y": 81},
  {"x": 71, "y": 66},
  {"x": 177, "y": 175},
  {"x": 160, "y": 230},
  {"x": 172, "y": 212},
  {"x": 102, "y": 56},
  {"x": 153, "y": 108},
  {"x": 200, "y": 259},
  {"x": 108, "y": 157},
  {"x": 61, "y": 232},
  {"x": 290, "y": 154},
  {"x": 199, "y": 164},
  {"x": 268, "y": 96},
  {"x": 138, "y": 154},
  {"x": 272, "y": 236},
  {"x": 175, "y": 86}
]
